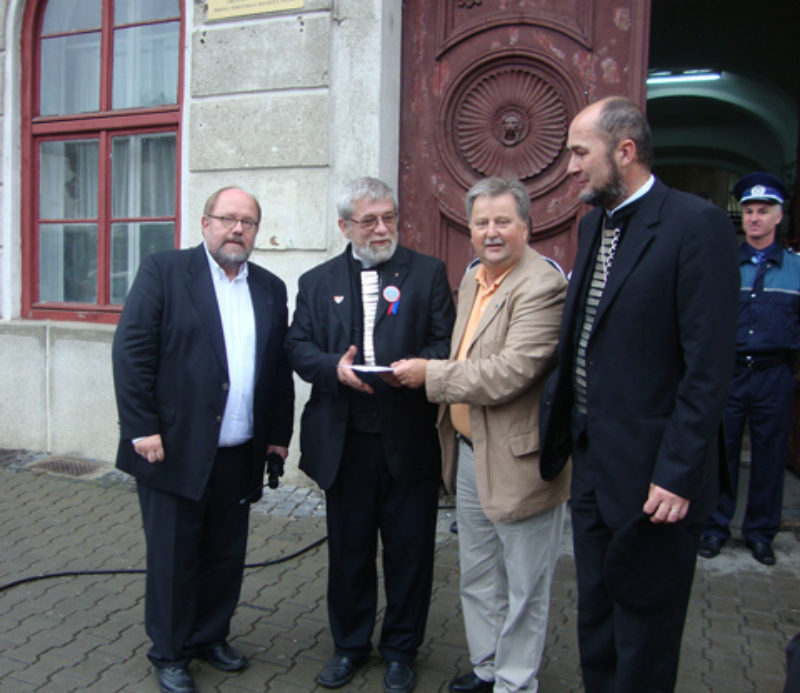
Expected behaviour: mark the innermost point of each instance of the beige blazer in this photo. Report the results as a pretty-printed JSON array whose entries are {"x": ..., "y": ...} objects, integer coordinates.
[{"x": 508, "y": 361}]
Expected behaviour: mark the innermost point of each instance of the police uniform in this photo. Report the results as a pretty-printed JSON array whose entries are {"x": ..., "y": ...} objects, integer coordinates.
[{"x": 763, "y": 385}]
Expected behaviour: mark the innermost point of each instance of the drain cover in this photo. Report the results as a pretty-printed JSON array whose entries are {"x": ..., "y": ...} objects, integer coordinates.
[{"x": 69, "y": 467}]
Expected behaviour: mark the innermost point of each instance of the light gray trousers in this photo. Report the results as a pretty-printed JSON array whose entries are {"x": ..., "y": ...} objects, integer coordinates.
[{"x": 506, "y": 570}]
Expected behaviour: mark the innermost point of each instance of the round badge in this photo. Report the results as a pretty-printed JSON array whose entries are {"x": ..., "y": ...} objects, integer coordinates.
[{"x": 391, "y": 294}]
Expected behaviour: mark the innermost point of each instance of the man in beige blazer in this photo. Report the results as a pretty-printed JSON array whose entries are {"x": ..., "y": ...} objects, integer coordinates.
[{"x": 509, "y": 520}]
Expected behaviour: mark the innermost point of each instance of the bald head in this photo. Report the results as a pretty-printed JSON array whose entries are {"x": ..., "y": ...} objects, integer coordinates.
[{"x": 611, "y": 150}]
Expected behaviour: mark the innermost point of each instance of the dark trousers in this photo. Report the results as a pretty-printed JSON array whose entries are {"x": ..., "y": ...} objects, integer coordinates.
[
  {"x": 792, "y": 684},
  {"x": 363, "y": 503},
  {"x": 621, "y": 651},
  {"x": 195, "y": 560},
  {"x": 767, "y": 398}
]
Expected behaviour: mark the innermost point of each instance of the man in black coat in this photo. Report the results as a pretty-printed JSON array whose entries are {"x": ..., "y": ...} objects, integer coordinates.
[
  {"x": 204, "y": 393},
  {"x": 645, "y": 360},
  {"x": 370, "y": 443}
]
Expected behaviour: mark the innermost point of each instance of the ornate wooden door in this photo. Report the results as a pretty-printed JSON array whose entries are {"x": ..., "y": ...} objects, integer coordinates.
[{"x": 489, "y": 87}]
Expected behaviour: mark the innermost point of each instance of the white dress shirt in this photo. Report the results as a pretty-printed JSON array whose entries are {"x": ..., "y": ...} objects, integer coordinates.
[{"x": 239, "y": 331}]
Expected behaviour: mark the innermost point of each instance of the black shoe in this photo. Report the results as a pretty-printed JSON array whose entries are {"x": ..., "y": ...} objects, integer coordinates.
[
  {"x": 398, "y": 678},
  {"x": 175, "y": 679},
  {"x": 223, "y": 657},
  {"x": 338, "y": 671},
  {"x": 710, "y": 546},
  {"x": 469, "y": 683},
  {"x": 762, "y": 551}
]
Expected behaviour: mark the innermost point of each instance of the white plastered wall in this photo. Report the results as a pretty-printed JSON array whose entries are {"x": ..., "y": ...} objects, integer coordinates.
[{"x": 288, "y": 105}]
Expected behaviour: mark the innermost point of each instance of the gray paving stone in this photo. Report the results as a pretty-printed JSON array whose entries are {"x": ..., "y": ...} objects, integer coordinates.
[{"x": 86, "y": 633}]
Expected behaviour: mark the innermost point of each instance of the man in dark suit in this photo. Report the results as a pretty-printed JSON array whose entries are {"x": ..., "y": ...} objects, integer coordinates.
[
  {"x": 645, "y": 359},
  {"x": 205, "y": 393},
  {"x": 370, "y": 443}
]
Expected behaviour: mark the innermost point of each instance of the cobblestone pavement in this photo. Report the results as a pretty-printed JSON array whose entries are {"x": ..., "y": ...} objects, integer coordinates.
[{"x": 85, "y": 633}]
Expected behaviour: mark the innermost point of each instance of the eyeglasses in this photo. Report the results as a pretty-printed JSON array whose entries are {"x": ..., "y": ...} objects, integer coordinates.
[
  {"x": 371, "y": 223},
  {"x": 229, "y": 223}
]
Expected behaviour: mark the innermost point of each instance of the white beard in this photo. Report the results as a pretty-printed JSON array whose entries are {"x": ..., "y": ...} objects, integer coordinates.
[{"x": 371, "y": 256}]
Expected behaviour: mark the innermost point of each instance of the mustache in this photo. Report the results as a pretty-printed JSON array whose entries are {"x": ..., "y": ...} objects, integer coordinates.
[{"x": 493, "y": 241}]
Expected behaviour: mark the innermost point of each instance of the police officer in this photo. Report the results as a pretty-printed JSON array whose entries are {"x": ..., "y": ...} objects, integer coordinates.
[{"x": 763, "y": 385}]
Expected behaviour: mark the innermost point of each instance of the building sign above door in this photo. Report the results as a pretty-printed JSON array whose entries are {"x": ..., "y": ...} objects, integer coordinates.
[{"x": 224, "y": 9}]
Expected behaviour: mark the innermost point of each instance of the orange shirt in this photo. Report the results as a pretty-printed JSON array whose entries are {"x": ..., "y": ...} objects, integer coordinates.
[{"x": 459, "y": 413}]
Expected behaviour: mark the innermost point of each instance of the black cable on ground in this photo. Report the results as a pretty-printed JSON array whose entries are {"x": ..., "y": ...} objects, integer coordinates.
[
  {"x": 141, "y": 571},
  {"x": 283, "y": 559},
  {"x": 69, "y": 573}
]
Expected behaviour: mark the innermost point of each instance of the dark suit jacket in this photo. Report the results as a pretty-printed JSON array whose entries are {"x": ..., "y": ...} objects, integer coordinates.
[
  {"x": 659, "y": 359},
  {"x": 321, "y": 332},
  {"x": 171, "y": 373}
]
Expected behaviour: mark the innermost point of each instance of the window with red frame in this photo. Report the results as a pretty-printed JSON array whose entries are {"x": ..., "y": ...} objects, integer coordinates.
[{"x": 100, "y": 150}]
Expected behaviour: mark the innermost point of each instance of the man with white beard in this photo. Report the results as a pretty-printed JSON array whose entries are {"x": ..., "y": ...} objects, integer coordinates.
[{"x": 368, "y": 441}]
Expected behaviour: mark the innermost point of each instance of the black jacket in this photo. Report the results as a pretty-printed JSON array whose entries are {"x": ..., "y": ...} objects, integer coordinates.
[
  {"x": 171, "y": 374},
  {"x": 659, "y": 358},
  {"x": 321, "y": 332}
]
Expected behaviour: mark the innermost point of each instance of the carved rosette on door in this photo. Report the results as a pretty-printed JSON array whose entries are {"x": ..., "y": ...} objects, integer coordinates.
[
  {"x": 507, "y": 121},
  {"x": 489, "y": 88},
  {"x": 508, "y": 115}
]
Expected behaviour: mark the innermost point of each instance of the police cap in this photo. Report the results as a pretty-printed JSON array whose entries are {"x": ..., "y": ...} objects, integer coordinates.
[{"x": 760, "y": 186}]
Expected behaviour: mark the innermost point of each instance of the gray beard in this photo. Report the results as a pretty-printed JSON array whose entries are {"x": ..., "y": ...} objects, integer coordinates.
[
  {"x": 230, "y": 260},
  {"x": 370, "y": 257}
]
